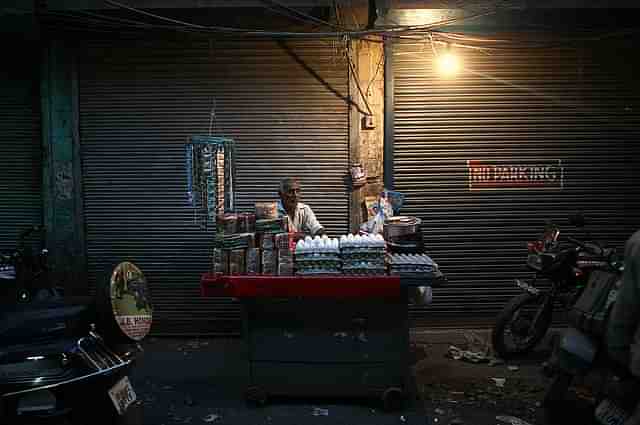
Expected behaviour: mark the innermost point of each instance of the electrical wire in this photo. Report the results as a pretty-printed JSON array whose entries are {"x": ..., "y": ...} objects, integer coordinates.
[
  {"x": 375, "y": 75},
  {"x": 289, "y": 15},
  {"x": 250, "y": 32},
  {"x": 355, "y": 77},
  {"x": 304, "y": 15},
  {"x": 110, "y": 23}
]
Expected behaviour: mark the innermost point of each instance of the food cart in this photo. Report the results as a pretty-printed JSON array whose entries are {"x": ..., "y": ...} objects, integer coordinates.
[
  {"x": 326, "y": 336},
  {"x": 323, "y": 316}
]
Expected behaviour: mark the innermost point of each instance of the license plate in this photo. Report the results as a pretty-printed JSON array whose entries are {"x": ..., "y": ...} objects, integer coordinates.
[
  {"x": 122, "y": 395},
  {"x": 608, "y": 413}
]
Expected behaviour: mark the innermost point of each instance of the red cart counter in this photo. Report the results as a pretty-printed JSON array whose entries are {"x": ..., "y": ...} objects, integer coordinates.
[{"x": 334, "y": 336}]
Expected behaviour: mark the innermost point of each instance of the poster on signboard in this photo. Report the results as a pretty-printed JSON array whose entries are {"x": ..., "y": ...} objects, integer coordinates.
[
  {"x": 515, "y": 174},
  {"x": 130, "y": 301}
]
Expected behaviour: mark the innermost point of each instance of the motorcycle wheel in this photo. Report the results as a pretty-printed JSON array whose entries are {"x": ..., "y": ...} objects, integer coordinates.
[{"x": 525, "y": 333}]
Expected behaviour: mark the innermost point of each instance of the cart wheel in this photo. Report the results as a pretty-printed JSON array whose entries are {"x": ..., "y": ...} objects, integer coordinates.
[
  {"x": 393, "y": 399},
  {"x": 256, "y": 396}
]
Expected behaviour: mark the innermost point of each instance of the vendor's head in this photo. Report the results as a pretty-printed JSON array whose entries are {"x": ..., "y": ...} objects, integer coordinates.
[{"x": 289, "y": 192}]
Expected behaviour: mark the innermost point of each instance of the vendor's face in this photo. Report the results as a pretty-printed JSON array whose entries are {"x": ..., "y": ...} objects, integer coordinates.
[{"x": 291, "y": 196}]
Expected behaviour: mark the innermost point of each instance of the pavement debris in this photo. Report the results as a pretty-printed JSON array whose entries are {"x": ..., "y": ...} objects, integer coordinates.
[
  {"x": 320, "y": 412},
  {"x": 457, "y": 353},
  {"x": 513, "y": 368},
  {"x": 496, "y": 362},
  {"x": 403, "y": 419},
  {"x": 511, "y": 420},
  {"x": 499, "y": 382},
  {"x": 456, "y": 421},
  {"x": 211, "y": 418}
]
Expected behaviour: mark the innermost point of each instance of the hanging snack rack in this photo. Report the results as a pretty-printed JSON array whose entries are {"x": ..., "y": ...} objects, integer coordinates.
[{"x": 210, "y": 169}]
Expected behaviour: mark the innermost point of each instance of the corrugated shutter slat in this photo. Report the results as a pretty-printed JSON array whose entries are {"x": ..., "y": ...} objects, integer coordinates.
[{"x": 140, "y": 101}]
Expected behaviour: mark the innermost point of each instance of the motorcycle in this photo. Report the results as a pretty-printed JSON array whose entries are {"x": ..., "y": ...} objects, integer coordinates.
[
  {"x": 68, "y": 359},
  {"x": 526, "y": 318},
  {"x": 582, "y": 351}
]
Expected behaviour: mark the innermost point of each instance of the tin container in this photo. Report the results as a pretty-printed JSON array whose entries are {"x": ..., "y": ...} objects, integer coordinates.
[{"x": 401, "y": 226}]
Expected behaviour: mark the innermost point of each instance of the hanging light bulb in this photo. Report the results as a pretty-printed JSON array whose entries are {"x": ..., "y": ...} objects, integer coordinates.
[{"x": 448, "y": 64}]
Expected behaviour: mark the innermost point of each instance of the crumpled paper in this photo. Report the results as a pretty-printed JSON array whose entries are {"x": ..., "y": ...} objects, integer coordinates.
[{"x": 512, "y": 420}]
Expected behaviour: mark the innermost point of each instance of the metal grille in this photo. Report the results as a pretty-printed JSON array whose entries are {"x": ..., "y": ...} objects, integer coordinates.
[
  {"x": 97, "y": 355},
  {"x": 577, "y": 106},
  {"x": 284, "y": 105},
  {"x": 20, "y": 152}
]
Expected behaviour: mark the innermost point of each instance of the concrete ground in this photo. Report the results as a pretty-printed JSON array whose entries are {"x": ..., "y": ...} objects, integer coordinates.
[{"x": 199, "y": 381}]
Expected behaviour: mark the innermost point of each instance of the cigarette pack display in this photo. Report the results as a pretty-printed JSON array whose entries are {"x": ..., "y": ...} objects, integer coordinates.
[
  {"x": 216, "y": 261},
  {"x": 265, "y": 241},
  {"x": 285, "y": 262},
  {"x": 237, "y": 262},
  {"x": 266, "y": 210},
  {"x": 273, "y": 225},
  {"x": 269, "y": 262},
  {"x": 225, "y": 261},
  {"x": 253, "y": 261},
  {"x": 246, "y": 223},
  {"x": 281, "y": 241},
  {"x": 234, "y": 241}
]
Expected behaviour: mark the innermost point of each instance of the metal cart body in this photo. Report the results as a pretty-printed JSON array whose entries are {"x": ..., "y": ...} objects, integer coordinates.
[{"x": 325, "y": 336}]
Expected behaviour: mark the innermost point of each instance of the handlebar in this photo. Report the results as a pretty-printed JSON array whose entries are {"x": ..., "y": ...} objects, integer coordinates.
[
  {"x": 595, "y": 250},
  {"x": 28, "y": 231}
]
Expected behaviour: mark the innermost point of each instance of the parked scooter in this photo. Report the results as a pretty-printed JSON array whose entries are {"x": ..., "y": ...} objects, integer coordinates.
[
  {"x": 582, "y": 351},
  {"x": 566, "y": 264},
  {"x": 68, "y": 359}
]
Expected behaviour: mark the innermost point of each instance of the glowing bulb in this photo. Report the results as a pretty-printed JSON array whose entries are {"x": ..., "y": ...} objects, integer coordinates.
[{"x": 448, "y": 64}]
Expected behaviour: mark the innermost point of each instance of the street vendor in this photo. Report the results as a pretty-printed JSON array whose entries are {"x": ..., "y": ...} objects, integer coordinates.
[{"x": 301, "y": 217}]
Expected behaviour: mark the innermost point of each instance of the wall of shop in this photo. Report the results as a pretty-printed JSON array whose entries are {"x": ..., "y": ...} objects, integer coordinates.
[
  {"x": 575, "y": 109},
  {"x": 20, "y": 144},
  {"x": 285, "y": 104}
]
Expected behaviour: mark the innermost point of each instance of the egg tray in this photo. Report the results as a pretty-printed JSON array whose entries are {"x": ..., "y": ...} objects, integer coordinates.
[
  {"x": 362, "y": 250},
  {"x": 329, "y": 264},
  {"x": 364, "y": 272},
  {"x": 319, "y": 272},
  {"x": 317, "y": 257}
]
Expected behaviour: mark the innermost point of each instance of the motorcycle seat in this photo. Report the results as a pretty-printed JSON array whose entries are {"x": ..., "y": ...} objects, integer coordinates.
[{"x": 36, "y": 321}]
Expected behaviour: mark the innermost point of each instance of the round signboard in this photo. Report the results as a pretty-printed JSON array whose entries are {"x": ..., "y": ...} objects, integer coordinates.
[{"x": 130, "y": 301}]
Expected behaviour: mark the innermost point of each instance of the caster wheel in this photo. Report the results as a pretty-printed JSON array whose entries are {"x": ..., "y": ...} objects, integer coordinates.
[
  {"x": 256, "y": 396},
  {"x": 393, "y": 399}
]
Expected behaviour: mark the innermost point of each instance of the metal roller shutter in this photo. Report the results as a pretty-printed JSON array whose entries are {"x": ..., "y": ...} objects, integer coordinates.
[
  {"x": 577, "y": 106},
  {"x": 140, "y": 101},
  {"x": 20, "y": 142}
]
